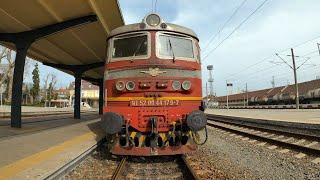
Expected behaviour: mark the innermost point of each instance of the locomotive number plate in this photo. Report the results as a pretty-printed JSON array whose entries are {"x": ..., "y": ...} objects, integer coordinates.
[{"x": 154, "y": 103}]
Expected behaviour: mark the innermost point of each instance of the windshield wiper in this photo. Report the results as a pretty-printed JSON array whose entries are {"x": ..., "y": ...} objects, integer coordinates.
[
  {"x": 171, "y": 48},
  {"x": 138, "y": 48}
]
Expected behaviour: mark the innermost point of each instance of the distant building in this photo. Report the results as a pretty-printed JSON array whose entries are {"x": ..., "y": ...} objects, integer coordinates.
[
  {"x": 309, "y": 93},
  {"x": 62, "y": 98},
  {"x": 89, "y": 94}
]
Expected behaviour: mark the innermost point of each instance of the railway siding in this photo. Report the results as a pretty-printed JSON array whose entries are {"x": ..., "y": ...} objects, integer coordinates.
[{"x": 302, "y": 139}]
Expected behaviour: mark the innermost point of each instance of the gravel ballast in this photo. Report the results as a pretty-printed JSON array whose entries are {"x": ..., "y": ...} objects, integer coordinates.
[
  {"x": 222, "y": 157},
  {"x": 233, "y": 158}
]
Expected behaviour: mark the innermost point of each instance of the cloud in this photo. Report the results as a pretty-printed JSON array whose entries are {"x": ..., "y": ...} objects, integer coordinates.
[{"x": 277, "y": 26}]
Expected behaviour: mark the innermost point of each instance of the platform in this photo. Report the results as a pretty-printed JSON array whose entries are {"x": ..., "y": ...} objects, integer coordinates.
[
  {"x": 308, "y": 116},
  {"x": 37, "y": 155},
  {"x": 40, "y": 123},
  {"x": 28, "y": 111}
]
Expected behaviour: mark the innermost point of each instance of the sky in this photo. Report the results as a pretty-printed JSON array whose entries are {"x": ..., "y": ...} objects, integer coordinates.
[{"x": 248, "y": 55}]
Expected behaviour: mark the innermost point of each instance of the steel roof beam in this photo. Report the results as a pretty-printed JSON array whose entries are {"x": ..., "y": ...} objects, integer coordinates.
[
  {"x": 35, "y": 34},
  {"x": 76, "y": 68},
  {"x": 23, "y": 41}
]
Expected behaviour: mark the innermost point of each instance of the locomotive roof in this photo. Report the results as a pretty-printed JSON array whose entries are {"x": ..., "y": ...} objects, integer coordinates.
[{"x": 139, "y": 27}]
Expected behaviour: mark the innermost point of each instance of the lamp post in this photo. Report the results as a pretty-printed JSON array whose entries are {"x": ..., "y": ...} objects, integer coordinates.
[{"x": 228, "y": 84}]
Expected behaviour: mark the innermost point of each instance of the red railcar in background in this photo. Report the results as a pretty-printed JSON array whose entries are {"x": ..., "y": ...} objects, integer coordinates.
[{"x": 153, "y": 89}]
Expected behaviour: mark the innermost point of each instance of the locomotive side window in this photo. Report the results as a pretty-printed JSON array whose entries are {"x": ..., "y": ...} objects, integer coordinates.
[
  {"x": 171, "y": 46},
  {"x": 130, "y": 46}
]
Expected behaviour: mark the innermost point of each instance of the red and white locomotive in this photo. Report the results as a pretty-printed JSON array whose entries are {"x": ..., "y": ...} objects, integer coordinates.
[{"x": 153, "y": 89}]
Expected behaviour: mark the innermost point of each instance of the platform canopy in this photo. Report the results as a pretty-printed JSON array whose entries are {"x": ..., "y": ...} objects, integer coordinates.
[{"x": 79, "y": 45}]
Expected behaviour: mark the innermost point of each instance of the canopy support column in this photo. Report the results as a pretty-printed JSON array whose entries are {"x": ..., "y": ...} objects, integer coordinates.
[
  {"x": 77, "y": 95},
  {"x": 21, "y": 55},
  {"x": 78, "y": 71},
  {"x": 101, "y": 97},
  {"x": 23, "y": 41}
]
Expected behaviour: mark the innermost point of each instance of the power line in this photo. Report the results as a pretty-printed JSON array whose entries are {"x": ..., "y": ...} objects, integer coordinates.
[
  {"x": 256, "y": 79},
  {"x": 152, "y": 2},
  {"x": 248, "y": 67},
  {"x": 244, "y": 21},
  {"x": 224, "y": 25},
  {"x": 305, "y": 42},
  {"x": 263, "y": 60},
  {"x": 155, "y": 6},
  {"x": 261, "y": 72}
]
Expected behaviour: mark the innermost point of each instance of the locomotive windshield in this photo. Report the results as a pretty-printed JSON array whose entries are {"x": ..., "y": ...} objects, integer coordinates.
[
  {"x": 175, "y": 46},
  {"x": 130, "y": 46}
]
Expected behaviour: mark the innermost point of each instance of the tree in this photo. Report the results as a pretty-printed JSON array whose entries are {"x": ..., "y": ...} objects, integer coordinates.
[
  {"x": 7, "y": 78},
  {"x": 52, "y": 84},
  {"x": 36, "y": 82}
]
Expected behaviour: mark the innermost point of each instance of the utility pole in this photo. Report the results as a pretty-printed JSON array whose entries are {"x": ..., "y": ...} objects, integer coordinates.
[
  {"x": 247, "y": 100},
  {"x": 318, "y": 48},
  {"x": 228, "y": 84},
  {"x": 295, "y": 78},
  {"x": 294, "y": 68},
  {"x": 227, "y": 95},
  {"x": 207, "y": 100},
  {"x": 273, "y": 82},
  {"x": 210, "y": 80}
]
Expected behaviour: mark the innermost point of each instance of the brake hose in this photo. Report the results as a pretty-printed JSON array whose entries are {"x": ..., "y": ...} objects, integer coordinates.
[{"x": 196, "y": 141}]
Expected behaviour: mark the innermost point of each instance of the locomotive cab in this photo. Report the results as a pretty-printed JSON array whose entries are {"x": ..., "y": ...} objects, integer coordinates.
[{"x": 153, "y": 89}]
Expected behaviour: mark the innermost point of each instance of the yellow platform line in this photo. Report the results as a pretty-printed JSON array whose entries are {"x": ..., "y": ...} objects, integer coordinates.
[
  {"x": 16, "y": 167},
  {"x": 151, "y": 98}
]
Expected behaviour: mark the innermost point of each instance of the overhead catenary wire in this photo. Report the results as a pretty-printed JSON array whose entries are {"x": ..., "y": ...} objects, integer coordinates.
[
  {"x": 155, "y": 6},
  {"x": 235, "y": 29},
  {"x": 152, "y": 2},
  {"x": 265, "y": 69},
  {"x": 264, "y": 59},
  {"x": 224, "y": 25},
  {"x": 282, "y": 76},
  {"x": 257, "y": 75}
]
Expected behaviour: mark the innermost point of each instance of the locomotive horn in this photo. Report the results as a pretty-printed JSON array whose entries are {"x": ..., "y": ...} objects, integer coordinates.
[
  {"x": 196, "y": 120},
  {"x": 112, "y": 122}
]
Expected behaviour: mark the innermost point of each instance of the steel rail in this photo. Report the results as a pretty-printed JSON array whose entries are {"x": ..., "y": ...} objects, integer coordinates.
[
  {"x": 191, "y": 174},
  {"x": 117, "y": 173},
  {"x": 310, "y": 131},
  {"x": 267, "y": 135}
]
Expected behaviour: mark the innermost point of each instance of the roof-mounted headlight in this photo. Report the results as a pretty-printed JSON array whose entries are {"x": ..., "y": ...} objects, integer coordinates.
[{"x": 153, "y": 20}]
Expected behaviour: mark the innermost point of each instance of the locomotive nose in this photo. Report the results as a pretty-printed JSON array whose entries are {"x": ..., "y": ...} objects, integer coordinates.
[
  {"x": 196, "y": 120},
  {"x": 112, "y": 122}
]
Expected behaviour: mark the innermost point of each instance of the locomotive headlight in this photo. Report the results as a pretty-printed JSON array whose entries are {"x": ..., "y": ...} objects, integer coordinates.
[
  {"x": 130, "y": 85},
  {"x": 176, "y": 85},
  {"x": 120, "y": 85},
  {"x": 186, "y": 85},
  {"x": 153, "y": 20}
]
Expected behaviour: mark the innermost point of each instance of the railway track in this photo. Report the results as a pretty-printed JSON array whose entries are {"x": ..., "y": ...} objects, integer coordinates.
[
  {"x": 176, "y": 167},
  {"x": 304, "y": 142},
  {"x": 158, "y": 167}
]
